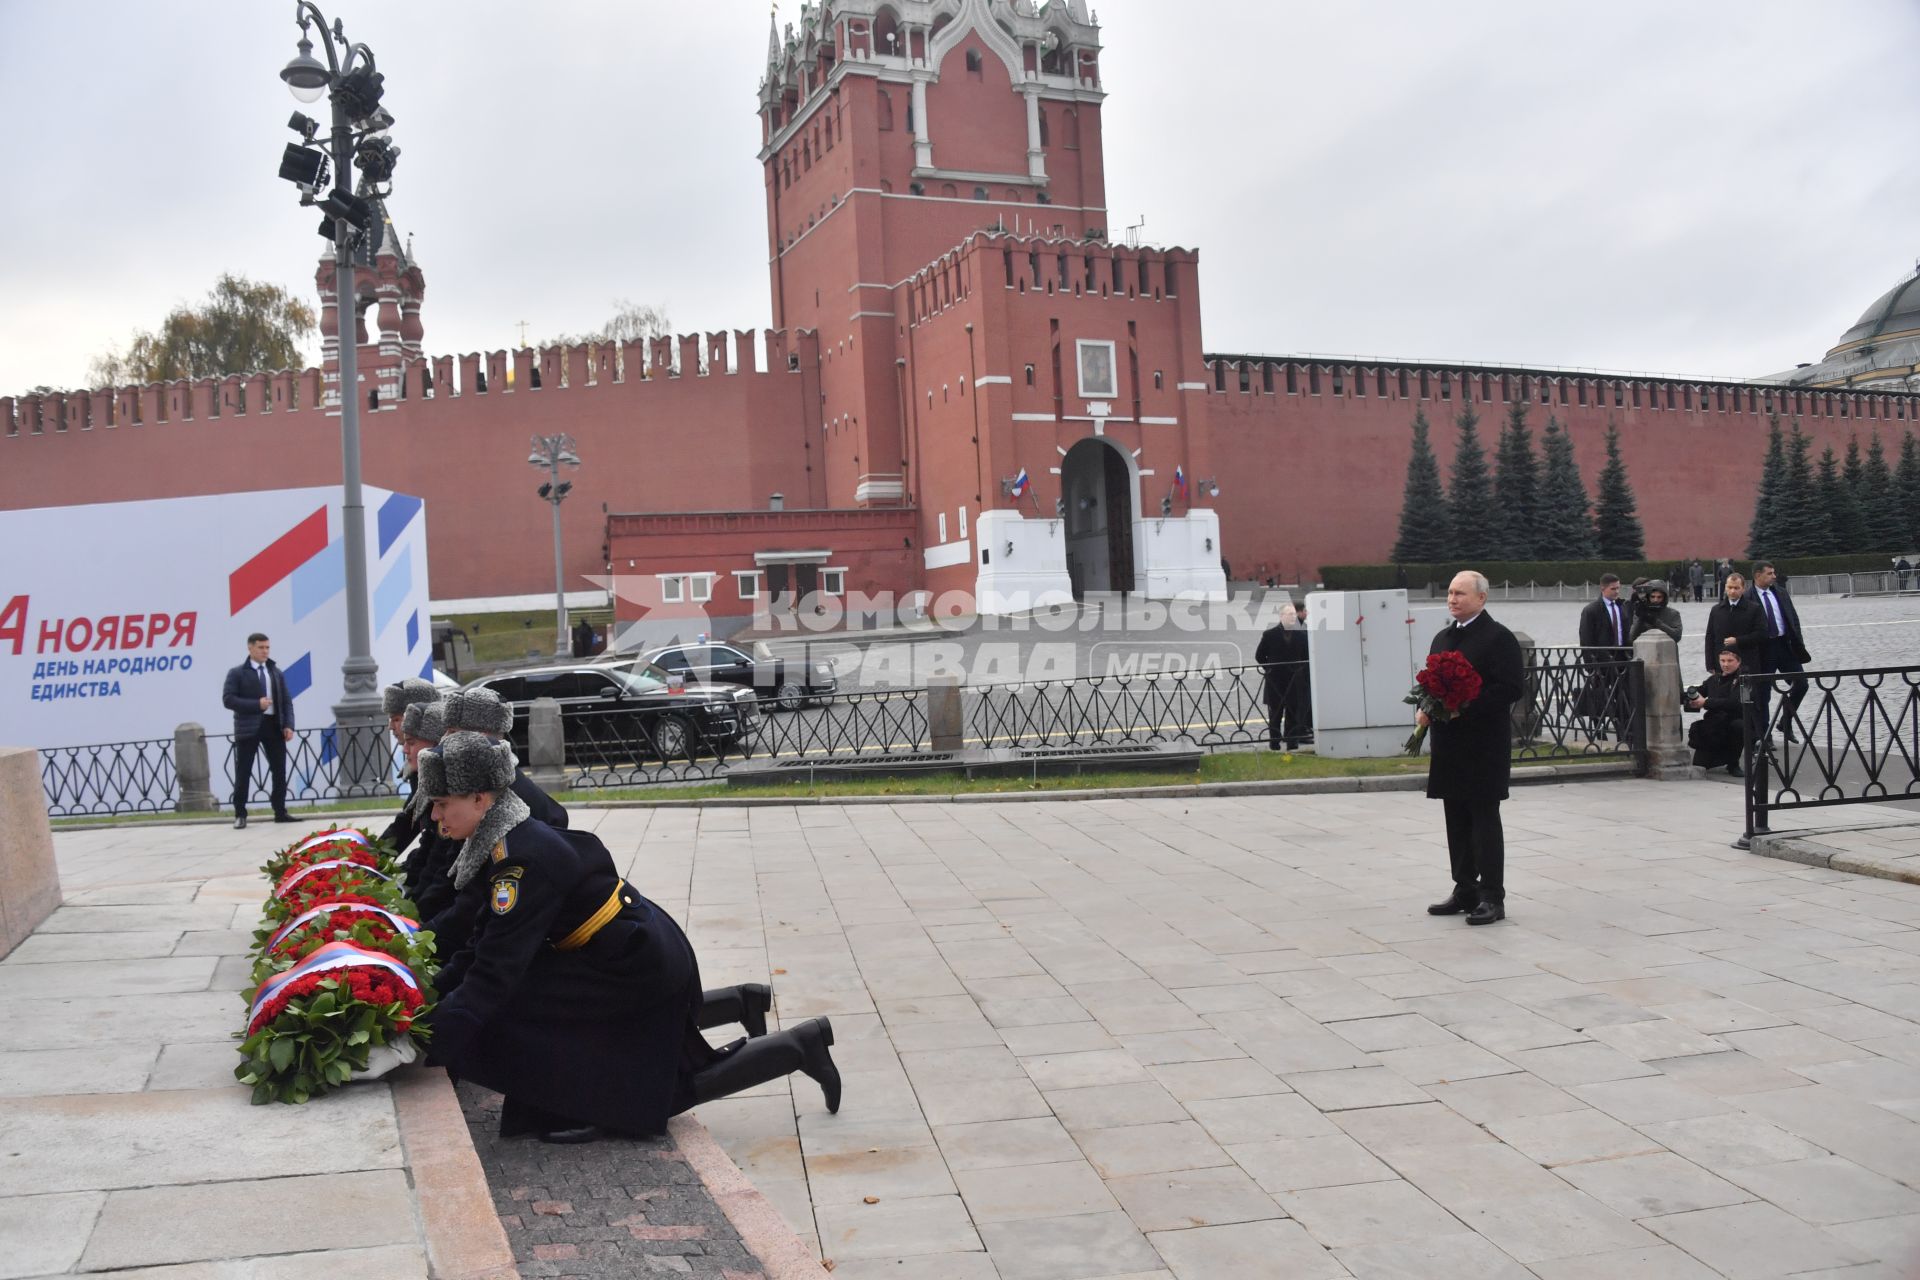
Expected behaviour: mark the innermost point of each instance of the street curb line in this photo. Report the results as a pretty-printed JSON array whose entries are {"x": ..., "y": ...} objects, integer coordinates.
[
  {"x": 464, "y": 1238},
  {"x": 773, "y": 1244},
  {"x": 1798, "y": 848},
  {"x": 1531, "y": 775}
]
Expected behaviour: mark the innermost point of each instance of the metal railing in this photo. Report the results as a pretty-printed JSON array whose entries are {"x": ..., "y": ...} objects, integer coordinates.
[
  {"x": 1577, "y": 705},
  {"x": 1819, "y": 738},
  {"x": 1210, "y": 708},
  {"x": 110, "y": 778},
  {"x": 317, "y": 761},
  {"x": 1581, "y": 703}
]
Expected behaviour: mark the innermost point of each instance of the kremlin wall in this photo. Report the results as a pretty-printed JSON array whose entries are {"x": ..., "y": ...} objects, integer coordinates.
[{"x": 951, "y": 314}]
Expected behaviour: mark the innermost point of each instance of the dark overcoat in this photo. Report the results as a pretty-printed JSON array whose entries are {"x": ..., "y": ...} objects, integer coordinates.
[
  {"x": 603, "y": 1032},
  {"x": 1472, "y": 753},
  {"x": 1745, "y": 623}
]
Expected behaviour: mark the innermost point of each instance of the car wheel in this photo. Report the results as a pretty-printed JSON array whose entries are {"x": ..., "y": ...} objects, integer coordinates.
[
  {"x": 671, "y": 736},
  {"x": 790, "y": 696}
]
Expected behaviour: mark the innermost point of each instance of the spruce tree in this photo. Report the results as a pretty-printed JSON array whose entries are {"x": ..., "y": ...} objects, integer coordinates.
[
  {"x": 1763, "y": 535},
  {"x": 1470, "y": 496},
  {"x": 1425, "y": 533},
  {"x": 1802, "y": 524},
  {"x": 1843, "y": 535},
  {"x": 1566, "y": 521},
  {"x": 1879, "y": 509},
  {"x": 1616, "y": 522},
  {"x": 1906, "y": 494},
  {"x": 1516, "y": 488}
]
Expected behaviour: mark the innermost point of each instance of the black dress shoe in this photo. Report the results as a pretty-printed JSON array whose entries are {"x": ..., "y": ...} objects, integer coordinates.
[
  {"x": 816, "y": 1038},
  {"x": 283, "y": 816},
  {"x": 1736, "y": 770},
  {"x": 240, "y": 823},
  {"x": 756, "y": 998},
  {"x": 574, "y": 1136},
  {"x": 1454, "y": 905},
  {"x": 1487, "y": 913}
]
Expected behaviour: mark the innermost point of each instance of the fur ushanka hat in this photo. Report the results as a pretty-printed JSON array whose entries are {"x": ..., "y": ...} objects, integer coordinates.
[
  {"x": 465, "y": 764},
  {"x": 396, "y": 698},
  {"x": 479, "y": 710}
]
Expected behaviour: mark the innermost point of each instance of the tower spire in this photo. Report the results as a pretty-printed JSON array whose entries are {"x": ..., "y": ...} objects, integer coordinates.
[{"x": 773, "y": 35}]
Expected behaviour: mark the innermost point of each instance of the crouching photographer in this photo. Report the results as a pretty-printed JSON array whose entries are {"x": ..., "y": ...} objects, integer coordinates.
[{"x": 1715, "y": 736}]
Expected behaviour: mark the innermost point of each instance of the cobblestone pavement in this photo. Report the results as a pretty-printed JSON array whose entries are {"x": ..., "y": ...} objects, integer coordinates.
[
  {"x": 606, "y": 1209},
  {"x": 1191, "y": 1040}
]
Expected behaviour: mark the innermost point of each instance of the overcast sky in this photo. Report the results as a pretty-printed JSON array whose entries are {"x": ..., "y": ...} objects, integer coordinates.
[{"x": 1715, "y": 188}]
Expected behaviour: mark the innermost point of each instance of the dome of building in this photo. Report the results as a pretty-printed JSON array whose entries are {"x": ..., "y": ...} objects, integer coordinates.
[{"x": 1882, "y": 349}]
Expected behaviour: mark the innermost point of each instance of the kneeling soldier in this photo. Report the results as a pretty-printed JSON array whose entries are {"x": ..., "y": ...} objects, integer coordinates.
[{"x": 574, "y": 996}]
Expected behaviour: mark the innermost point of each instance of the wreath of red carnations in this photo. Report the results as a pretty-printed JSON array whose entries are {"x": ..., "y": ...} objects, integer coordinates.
[
  {"x": 1443, "y": 689},
  {"x": 348, "y": 843}
]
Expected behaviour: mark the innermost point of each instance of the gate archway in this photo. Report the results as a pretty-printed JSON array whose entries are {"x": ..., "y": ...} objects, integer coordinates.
[{"x": 1096, "y": 481}]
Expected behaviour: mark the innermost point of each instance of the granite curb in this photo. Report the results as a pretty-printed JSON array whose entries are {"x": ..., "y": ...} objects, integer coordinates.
[
  {"x": 1531, "y": 775},
  {"x": 463, "y": 1235},
  {"x": 765, "y": 1233},
  {"x": 1809, "y": 849}
]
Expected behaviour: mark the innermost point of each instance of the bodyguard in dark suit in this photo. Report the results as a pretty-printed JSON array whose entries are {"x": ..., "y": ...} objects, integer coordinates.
[
  {"x": 1735, "y": 622},
  {"x": 256, "y": 693},
  {"x": 1786, "y": 649},
  {"x": 1282, "y": 655},
  {"x": 1604, "y": 627},
  {"x": 1472, "y": 754}
]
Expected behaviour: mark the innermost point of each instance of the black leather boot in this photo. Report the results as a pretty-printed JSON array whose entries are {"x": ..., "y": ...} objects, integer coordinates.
[
  {"x": 746, "y": 1004},
  {"x": 801, "y": 1048}
]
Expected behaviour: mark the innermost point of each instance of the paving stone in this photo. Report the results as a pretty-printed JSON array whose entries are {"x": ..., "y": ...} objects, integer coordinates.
[
  {"x": 1461, "y": 1256},
  {"x": 1083, "y": 1245},
  {"x": 1728, "y": 1142},
  {"x": 1651, "y": 1185},
  {"x": 195, "y": 1065},
  {"x": 46, "y": 1234},
  {"x": 1357, "y": 1087},
  {"x": 890, "y": 1173},
  {"x": 1570, "y": 1064},
  {"x": 1568, "y": 1136},
  {"x": 1150, "y": 1148},
  {"x": 1654, "y": 1262},
  {"x": 1790, "y": 1046},
  {"x": 896, "y": 1228},
  {"x": 1755, "y": 1240},
  {"x": 1649, "y": 1100},
  {"x": 1655, "y": 1038},
  {"x": 999, "y": 1144},
  {"x": 1428, "y": 1065},
  {"x": 1227, "y": 1078},
  {"x": 1559, "y": 1225},
  {"x": 1271, "y": 1248},
  {"x": 1084, "y": 1070},
  {"x": 102, "y": 1141},
  {"x": 1510, "y": 1096},
  {"x": 1367, "y": 1213},
  {"x": 973, "y": 1101},
  {"x": 1260, "y": 1118},
  {"x": 1296, "y": 1164},
  {"x": 148, "y": 1226},
  {"x": 1034, "y": 1191},
  {"x": 1827, "y": 1189},
  {"x": 107, "y": 1068},
  {"x": 1112, "y": 1105},
  {"x": 1192, "y": 1198}
]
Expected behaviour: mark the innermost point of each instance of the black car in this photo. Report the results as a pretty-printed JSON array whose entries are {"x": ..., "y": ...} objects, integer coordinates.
[
  {"x": 788, "y": 684},
  {"x": 615, "y": 714}
]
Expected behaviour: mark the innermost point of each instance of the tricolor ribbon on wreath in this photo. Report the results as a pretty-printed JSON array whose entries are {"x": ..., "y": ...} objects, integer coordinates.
[
  {"x": 347, "y": 834},
  {"x": 334, "y": 955},
  {"x": 403, "y": 925},
  {"x": 286, "y": 886}
]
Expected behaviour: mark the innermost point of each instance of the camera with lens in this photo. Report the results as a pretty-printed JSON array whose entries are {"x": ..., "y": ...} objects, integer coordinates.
[{"x": 1688, "y": 694}]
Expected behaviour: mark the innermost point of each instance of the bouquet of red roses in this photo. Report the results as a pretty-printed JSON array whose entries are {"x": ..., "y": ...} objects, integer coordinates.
[
  {"x": 1442, "y": 690},
  {"x": 325, "y": 846}
]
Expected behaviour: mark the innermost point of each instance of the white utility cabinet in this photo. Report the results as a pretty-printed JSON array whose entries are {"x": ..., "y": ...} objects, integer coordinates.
[{"x": 1365, "y": 648}]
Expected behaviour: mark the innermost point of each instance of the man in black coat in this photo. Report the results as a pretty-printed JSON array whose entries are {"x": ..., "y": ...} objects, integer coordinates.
[
  {"x": 1604, "y": 624},
  {"x": 1735, "y": 622},
  {"x": 1473, "y": 754},
  {"x": 1287, "y": 693},
  {"x": 256, "y": 693},
  {"x": 1786, "y": 648},
  {"x": 1715, "y": 736}
]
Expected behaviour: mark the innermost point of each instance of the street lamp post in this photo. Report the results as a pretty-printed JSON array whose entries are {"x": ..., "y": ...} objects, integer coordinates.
[
  {"x": 554, "y": 452},
  {"x": 353, "y": 88}
]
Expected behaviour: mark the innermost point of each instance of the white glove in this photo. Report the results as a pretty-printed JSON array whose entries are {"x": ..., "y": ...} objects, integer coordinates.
[{"x": 382, "y": 1058}]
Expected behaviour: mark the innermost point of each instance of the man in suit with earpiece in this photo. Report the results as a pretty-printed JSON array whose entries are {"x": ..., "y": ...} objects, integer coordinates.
[{"x": 256, "y": 693}]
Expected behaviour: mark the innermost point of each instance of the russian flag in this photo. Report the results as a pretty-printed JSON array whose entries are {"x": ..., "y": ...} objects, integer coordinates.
[
  {"x": 1020, "y": 483},
  {"x": 1180, "y": 480}
]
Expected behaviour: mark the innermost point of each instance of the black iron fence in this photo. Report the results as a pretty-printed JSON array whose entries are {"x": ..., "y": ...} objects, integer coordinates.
[
  {"x": 1820, "y": 738},
  {"x": 110, "y": 778},
  {"x": 1581, "y": 703},
  {"x": 1211, "y": 708},
  {"x": 1577, "y": 705}
]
